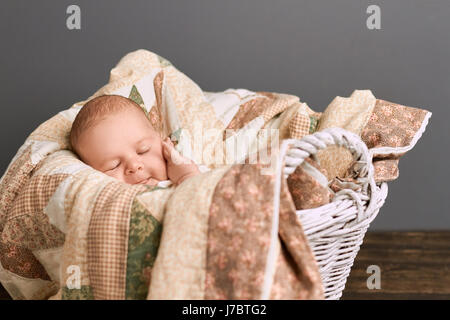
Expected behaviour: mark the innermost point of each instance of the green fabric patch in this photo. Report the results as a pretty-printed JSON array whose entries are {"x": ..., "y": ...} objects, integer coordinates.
[
  {"x": 143, "y": 243},
  {"x": 175, "y": 136},
  {"x": 84, "y": 293},
  {"x": 313, "y": 124},
  {"x": 164, "y": 62},
  {"x": 137, "y": 98}
]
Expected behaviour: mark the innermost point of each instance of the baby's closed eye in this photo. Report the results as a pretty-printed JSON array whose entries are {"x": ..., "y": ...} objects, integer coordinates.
[
  {"x": 114, "y": 167},
  {"x": 144, "y": 150}
]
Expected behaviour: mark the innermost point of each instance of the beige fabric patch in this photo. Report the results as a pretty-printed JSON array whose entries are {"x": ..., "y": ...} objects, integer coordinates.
[
  {"x": 351, "y": 114},
  {"x": 22, "y": 288},
  {"x": 155, "y": 201},
  {"x": 55, "y": 129},
  {"x": 179, "y": 269},
  {"x": 305, "y": 108},
  {"x": 50, "y": 259}
]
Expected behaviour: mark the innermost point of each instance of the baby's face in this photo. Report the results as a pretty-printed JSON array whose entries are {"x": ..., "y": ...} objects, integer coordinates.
[{"x": 125, "y": 146}]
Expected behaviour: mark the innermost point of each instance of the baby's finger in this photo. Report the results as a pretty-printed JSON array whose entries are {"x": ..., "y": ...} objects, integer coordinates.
[
  {"x": 166, "y": 150},
  {"x": 169, "y": 152},
  {"x": 170, "y": 143}
]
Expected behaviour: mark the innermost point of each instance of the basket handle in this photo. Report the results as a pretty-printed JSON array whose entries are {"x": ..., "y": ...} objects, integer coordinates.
[{"x": 309, "y": 145}]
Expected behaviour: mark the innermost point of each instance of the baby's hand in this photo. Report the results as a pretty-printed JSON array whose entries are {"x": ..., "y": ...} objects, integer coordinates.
[{"x": 179, "y": 168}]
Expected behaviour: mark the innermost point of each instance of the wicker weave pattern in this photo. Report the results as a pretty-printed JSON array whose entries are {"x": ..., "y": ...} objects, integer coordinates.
[{"x": 335, "y": 231}]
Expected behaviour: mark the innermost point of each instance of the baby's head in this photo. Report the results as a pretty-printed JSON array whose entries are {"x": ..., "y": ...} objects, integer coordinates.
[{"x": 112, "y": 134}]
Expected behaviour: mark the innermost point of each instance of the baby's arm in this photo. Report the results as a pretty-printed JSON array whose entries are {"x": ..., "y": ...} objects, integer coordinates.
[{"x": 179, "y": 168}]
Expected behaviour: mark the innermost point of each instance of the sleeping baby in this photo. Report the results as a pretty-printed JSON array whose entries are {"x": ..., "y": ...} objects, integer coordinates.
[{"x": 112, "y": 134}]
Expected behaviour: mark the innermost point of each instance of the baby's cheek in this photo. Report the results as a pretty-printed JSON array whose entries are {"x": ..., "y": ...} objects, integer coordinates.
[
  {"x": 115, "y": 175},
  {"x": 157, "y": 165},
  {"x": 160, "y": 170}
]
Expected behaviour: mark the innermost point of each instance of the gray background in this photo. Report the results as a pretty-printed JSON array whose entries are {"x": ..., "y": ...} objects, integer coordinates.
[{"x": 314, "y": 49}]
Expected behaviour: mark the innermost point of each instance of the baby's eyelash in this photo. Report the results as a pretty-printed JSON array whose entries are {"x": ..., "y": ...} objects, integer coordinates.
[
  {"x": 115, "y": 167},
  {"x": 144, "y": 151}
]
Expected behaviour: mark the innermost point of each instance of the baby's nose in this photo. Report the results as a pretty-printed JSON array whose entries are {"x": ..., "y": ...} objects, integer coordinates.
[{"x": 133, "y": 167}]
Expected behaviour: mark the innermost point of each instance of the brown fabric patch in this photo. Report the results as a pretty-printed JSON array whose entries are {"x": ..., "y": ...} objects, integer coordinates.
[
  {"x": 392, "y": 125},
  {"x": 335, "y": 160},
  {"x": 21, "y": 261},
  {"x": 239, "y": 234},
  {"x": 284, "y": 284},
  {"x": 306, "y": 191},
  {"x": 36, "y": 194},
  {"x": 385, "y": 169},
  {"x": 15, "y": 178},
  {"x": 282, "y": 102},
  {"x": 155, "y": 113},
  {"x": 249, "y": 111},
  {"x": 108, "y": 239},
  {"x": 34, "y": 232},
  {"x": 298, "y": 275},
  {"x": 268, "y": 107},
  {"x": 27, "y": 225}
]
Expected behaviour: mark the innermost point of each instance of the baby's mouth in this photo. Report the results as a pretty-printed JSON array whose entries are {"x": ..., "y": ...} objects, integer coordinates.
[
  {"x": 144, "y": 181},
  {"x": 149, "y": 181}
]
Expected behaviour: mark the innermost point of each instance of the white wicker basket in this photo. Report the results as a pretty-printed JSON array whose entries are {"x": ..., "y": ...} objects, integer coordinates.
[{"x": 335, "y": 231}]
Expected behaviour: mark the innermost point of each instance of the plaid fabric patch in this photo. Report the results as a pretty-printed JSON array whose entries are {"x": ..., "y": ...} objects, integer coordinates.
[
  {"x": 281, "y": 103},
  {"x": 27, "y": 224},
  {"x": 299, "y": 126},
  {"x": 108, "y": 240}
]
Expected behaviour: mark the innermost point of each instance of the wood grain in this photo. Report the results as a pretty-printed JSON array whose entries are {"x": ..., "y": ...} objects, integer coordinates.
[{"x": 414, "y": 265}]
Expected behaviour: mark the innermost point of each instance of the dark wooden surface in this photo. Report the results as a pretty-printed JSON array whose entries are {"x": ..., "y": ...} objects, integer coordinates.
[{"x": 413, "y": 265}]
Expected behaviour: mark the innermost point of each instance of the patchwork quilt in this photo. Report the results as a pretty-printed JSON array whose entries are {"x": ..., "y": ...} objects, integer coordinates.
[{"x": 68, "y": 231}]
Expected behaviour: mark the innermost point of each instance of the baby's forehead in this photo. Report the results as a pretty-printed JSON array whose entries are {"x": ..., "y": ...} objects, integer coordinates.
[
  {"x": 132, "y": 119},
  {"x": 127, "y": 115}
]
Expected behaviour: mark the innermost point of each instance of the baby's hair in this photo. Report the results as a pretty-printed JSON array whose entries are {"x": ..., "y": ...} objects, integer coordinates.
[{"x": 96, "y": 110}]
